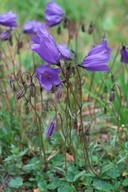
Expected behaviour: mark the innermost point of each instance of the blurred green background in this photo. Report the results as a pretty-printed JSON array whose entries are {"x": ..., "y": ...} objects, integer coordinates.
[{"x": 111, "y": 17}]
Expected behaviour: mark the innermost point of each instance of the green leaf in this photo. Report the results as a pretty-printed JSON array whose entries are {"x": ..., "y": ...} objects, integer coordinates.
[
  {"x": 125, "y": 183},
  {"x": 114, "y": 173},
  {"x": 66, "y": 189},
  {"x": 42, "y": 185},
  {"x": 102, "y": 185},
  {"x": 16, "y": 182}
]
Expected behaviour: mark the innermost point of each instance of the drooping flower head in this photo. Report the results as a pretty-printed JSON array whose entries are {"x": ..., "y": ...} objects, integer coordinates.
[
  {"x": 98, "y": 58},
  {"x": 6, "y": 35},
  {"x": 124, "y": 54},
  {"x": 46, "y": 47},
  {"x": 31, "y": 27},
  {"x": 48, "y": 76},
  {"x": 54, "y": 14},
  {"x": 51, "y": 128},
  {"x": 8, "y": 19}
]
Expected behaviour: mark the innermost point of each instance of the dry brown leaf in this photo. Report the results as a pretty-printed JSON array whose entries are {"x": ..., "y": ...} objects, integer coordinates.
[{"x": 36, "y": 190}]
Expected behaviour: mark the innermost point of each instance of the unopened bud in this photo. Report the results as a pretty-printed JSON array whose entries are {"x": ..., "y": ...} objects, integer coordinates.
[
  {"x": 58, "y": 93},
  {"x": 32, "y": 89},
  {"x": 75, "y": 124},
  {"x": 112, "y": 95},
  {"x": 105, "y": 110},
  {"x": 87, "y": 131},
  {"x": 66, "y": 22},
  {"x": 112, "y": 78},
  {"x": 19, "y": 46},
  {"x": 105, "y": 89},
  {"x": 20, "y": 94},
  {"x": 59, "y": 30},
  {"x": 82, "y": 27},
  {"x": 12, "y": 84},
  {"x": 91, "y": 28}
]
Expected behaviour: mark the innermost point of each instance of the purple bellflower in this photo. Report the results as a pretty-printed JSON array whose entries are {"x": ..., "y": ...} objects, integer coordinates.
[
  {"x": 46, "y": 47},
  {"x": 6, "y": 35},
  {"x": 31, "y": 27},
  {"x": 124, "y": 54},
  {"x": 8, "y": 19},
  {"x": 51, "y": 128},
  {"x": 65, "y": 53},
  {"x": 48, "y": 76},
  {"x": 98, "y": 58},
  {"x": 54, "y": 14}
]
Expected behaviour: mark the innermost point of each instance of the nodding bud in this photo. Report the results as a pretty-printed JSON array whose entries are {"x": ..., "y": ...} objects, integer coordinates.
[
  {"x": 6, "y": 35},
  {"x": 75, "y": 124},
  {"x": 112, "y": 95},
  {"x": 59, "y": 30},
  {"x": 66, "y": 22},
  {"x": 32, "y": 89},
  {"x": 12, "y": 84},
  {"x": 41, "y": 89},
  {"x": 91, "y": 28},
  {"x": 19, "y": 46},
  {"x": 105, "y": 89},
  {"x": 20, "y": 94},
  {"x": 87, "y": 131},
  {"x": 51, "y": 129},
  {"x": 105, "y": 110},
  {"x": 112, "y": 78},
  {"x": 58, "y": 93},
  {"x": 82, "y": 27}
]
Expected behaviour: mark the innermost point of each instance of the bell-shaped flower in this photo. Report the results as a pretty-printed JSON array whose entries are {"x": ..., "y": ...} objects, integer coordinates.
[
  {"x": 124, "y": 54},
  {"x": 31, "y": 27},
  {"x": 8, "y": 19},
  {"x": 98, "y": 58},
  {"x": 48, "y": 76},
  {"x": 54, "y": 14},
  {"x": 46, "y": 47}
]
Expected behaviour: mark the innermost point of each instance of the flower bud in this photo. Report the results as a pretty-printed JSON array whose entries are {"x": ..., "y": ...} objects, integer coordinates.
[
  {"x": 51, "y": 129},
  {"x": 20, "y": 94},
  {"x": 58, "y": 93},
  {"x": 12, "y": 84},
  {"x": 59, "y": 30},
  {"x": 91, "y": 28},
  {"x": 66, "y": 22},
  {"x": 82, "y": 27},
  {"x": 32, "y": 89},
  {"x": 112, "y": 95},
  {"x": 87, "y": 131}
]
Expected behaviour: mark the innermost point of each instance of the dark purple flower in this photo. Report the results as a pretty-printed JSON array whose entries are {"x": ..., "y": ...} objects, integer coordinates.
[
  {"x": 65, "y": 53},
  {"x": 54, "y": 14},
  {"x": 8, "y": 19},
  {"x": 51, "y": 128},
  {"x": 46, "y": 47},
  {"x": 48, "y": 76},
  {"x": 31, "y": 27},
  {"x": 6, "y": 35},
  {"x": 98, "y": 58},
  {"x": 124, "y": 54}
]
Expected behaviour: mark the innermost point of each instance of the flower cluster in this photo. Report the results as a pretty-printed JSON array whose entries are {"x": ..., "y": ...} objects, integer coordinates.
[{"x": 58, "y": 57}]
